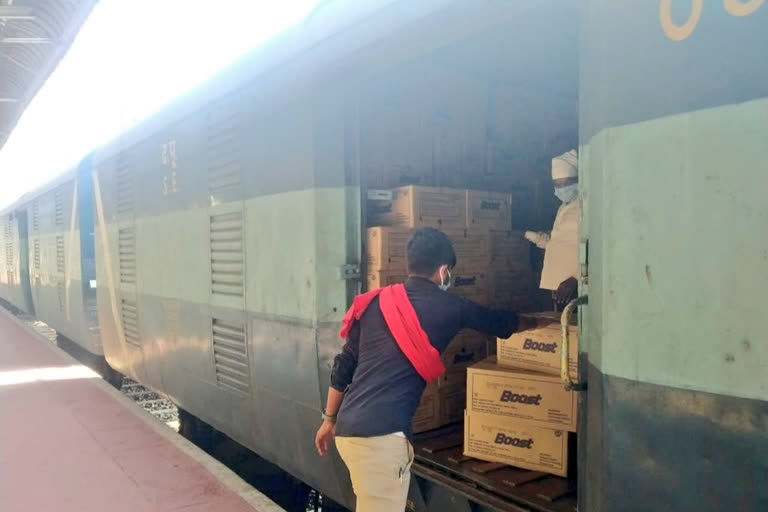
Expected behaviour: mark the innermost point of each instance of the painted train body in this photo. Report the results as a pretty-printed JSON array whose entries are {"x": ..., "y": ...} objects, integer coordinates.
[
  {"x": 220, "y": 228},
  {"x": 48, "y": 269}
]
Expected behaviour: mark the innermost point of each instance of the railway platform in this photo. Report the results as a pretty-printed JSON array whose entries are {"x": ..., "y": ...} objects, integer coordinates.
[{"x": 70, "y": 442}]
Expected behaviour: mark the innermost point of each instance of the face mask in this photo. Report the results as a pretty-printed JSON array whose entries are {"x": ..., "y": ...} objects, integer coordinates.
[
  {"x": 443, "y": 285},
  {"x": 568, "y": 193}
]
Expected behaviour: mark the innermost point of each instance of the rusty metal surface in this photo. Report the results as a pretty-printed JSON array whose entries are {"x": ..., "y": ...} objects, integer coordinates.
[{"x": 441, "y": 452}]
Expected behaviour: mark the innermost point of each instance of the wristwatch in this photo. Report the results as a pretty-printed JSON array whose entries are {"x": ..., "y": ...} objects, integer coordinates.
[{"x": 329, "y": 418}]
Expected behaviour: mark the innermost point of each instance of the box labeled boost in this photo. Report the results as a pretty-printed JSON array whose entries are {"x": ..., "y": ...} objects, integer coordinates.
[
  {"x": 385, "y": 248},
  {"x": 496, "y": 439},
  {"x": 471, "y": 248},
  {"x": 416, "y": 207},
  {"x": 380, "y": 278},
  {"x": 471, "y": 284},
  {"x": 510, "y": 289},
  {"x": 427, "y": 415},
  {"x": 468, "y": 347},
  {"x": 539, "y": 349},
  {"x": 452, "y": 403},
  {"x": 525, "y": 397},
  {"x": 492, "y": 210},
  {"x": 509, "y": 249}
]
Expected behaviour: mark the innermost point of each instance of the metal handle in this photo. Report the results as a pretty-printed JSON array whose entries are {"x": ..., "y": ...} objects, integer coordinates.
[{"x": 565, "y": 346}]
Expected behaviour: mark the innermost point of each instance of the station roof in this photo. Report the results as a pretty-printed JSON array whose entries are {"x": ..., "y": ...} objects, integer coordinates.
[{"x": 34, "y": 36}]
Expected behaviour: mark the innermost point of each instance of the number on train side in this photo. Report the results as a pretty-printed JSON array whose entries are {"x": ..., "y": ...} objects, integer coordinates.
[
  {"x": 169, "y": 160},
  {"x": 682, "y": 31}
]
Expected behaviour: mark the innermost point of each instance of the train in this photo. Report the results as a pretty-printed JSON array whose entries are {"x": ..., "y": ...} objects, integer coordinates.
[{"x": 211, "y": 251}]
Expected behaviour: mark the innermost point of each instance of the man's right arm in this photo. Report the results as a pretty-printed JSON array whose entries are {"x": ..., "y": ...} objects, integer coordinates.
[
  {"x": 495, "y": 322},
  {"x": 539, "y": 238}
]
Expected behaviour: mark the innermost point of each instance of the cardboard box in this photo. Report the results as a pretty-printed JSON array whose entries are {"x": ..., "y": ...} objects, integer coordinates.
[
  {"x": 385, "y": 247},
  {"x": 539, "y": 350},
  {"x": 489, "y": 210},
  {"x": 509, "y": 249},
  {"x": 416, "y": 207},
  {"x": 525, "y": 397},
  {"x": 453, "y": 401},
  {"x": 510, "y": 289},
  {"x": 467, "y": 348},
  {"x": 496, "y": 439},
  {"x": 379, "y": 278},
  {"x": 471, "y": 284},
  {"x": 471, "y": 247},
  {"x": 427, "y": 415}
]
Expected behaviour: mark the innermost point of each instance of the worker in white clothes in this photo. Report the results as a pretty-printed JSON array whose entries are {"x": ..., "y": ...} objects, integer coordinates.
[{"x": 561, "y": 245}]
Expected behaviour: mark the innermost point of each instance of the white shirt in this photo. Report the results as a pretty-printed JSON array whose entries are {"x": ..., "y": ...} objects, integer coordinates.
[{"x": 561, "y": 254}]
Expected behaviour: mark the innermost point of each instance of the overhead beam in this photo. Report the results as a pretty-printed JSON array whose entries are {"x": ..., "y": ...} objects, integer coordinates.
[
  {"x": 26, "y": 40},
  {"x": 12, "y": 12}
]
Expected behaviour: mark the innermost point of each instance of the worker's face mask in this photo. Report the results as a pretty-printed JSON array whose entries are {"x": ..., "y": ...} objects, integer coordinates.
[
  {"x": 567, "y": 193},
  {"x": 445, "y": 283}
]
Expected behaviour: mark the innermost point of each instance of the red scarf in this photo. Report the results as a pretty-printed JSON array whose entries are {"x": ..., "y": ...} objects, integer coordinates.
[{"x": 403, "y": 324}]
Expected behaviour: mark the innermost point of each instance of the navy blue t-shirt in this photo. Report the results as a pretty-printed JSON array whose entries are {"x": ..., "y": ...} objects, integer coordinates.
[{"x": 382, "y": 389}]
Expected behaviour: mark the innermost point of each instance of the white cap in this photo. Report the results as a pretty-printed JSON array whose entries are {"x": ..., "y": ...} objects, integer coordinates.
[{"x": 565, "y": 165}]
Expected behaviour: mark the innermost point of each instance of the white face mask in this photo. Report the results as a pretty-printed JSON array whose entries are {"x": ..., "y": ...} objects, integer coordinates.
[
  {"x": 568, "y": 193},
  {"x": 443, "y": 284}
]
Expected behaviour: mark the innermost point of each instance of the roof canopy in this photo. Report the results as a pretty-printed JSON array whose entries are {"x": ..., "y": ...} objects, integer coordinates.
[{"x": 34, "y": 36}]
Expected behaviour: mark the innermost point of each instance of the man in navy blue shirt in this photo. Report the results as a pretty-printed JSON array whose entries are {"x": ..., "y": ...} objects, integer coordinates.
[{"x": 375, "y": 389}]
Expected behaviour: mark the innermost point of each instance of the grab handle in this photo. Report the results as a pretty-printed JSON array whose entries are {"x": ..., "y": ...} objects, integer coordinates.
[{"x": 565, "y": 351}]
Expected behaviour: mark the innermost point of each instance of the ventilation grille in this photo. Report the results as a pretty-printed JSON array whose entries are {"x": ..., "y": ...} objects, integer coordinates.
[
  {"x": 127, "y": 254},
  {"x": 9, "y": 246},
  {"x": 60, "y": 254},
  {"x": 231, "y": 356},
  {"x": 61, "y": 292},
  {"x": 35, "y": 216},
  {"x": 227, "y": 254},
  {"x": 124, "y": 181},
  {"x": 92, "y": 311},
  {"x": 130, "y": 317},
  {"x": 223, "y": 149},
  {"x": 59, "y": 207},
  {"x": 36, "y": 253}
]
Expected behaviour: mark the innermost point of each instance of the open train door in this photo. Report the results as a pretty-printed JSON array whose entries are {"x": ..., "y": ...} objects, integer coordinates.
[{"x": 673, "y": 160}]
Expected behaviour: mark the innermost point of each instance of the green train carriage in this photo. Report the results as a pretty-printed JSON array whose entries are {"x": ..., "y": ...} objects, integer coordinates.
[{"x": 229, "y": 224}]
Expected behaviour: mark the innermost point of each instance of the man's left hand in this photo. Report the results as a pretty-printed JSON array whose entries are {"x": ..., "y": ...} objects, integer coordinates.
[{"x": 566, "y": 291}]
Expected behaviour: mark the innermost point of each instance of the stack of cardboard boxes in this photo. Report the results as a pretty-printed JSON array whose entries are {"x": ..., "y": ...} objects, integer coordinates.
[
  {"x": 518, "y": 411},
  {"x": 493, "y": 269}
]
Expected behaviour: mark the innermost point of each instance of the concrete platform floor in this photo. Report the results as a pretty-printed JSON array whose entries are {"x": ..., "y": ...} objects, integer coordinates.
[{"x": 69, "y": 442}]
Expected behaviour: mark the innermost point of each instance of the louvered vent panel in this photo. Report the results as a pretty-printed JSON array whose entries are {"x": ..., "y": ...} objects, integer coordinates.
[
  {"x": 36, "y": 253},
  {"x": 61, "y": 292},
  {"x": 35, "y": 216},
  {"x": 9, "y": 246},
  {"x": 130, "y": 316},
  {"x": 224, "y": 171},
  {"x": 227, "y": 254},
  {"x": 59, "y": 207},
  {"x": 60, "y": 254},
  {"x": 127, "y": 254},
  {"x": 124, "y": 180},
  {"x": 92, "y": 311},
  {"x": 231, "y": 356}
]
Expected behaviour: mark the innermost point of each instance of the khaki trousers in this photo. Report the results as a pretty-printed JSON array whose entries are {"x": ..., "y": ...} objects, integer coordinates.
[{"x": 380, "y": 470}]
